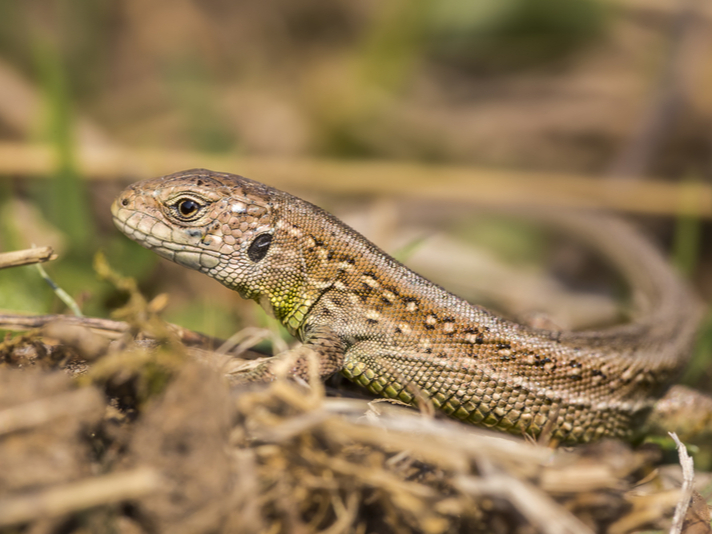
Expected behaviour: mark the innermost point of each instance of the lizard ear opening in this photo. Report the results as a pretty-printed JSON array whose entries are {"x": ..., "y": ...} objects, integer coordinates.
[{"x": 259, "y": 247}]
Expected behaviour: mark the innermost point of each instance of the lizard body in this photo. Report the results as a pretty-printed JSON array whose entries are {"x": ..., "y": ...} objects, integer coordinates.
[{"x": 386, "y": 328}]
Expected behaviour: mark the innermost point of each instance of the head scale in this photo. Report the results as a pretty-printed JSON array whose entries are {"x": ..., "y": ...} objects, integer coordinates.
[{"x": 223, "y": 225}]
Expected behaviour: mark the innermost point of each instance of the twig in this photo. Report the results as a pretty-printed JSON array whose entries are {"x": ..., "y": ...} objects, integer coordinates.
[
  {"x": 26, "y": 257},
  {"x": 688, "y": 477},
  {"x": 107, "y": 327},
  {"x": 113, "y": 329}
]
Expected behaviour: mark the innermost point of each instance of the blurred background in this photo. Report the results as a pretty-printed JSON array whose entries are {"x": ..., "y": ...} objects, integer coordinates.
[{"x": 409, "y": 119}]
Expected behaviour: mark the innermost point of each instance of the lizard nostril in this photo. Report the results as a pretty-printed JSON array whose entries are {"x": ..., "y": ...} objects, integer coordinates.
[{"x": 125, "y": 202}]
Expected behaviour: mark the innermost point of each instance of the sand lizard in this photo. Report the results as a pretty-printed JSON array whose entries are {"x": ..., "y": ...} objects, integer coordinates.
[{"x": 386, "y": 328}]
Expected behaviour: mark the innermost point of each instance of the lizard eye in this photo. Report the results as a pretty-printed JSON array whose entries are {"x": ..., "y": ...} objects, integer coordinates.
[
  {"x": 187, "y": 207},
  {"x": 259, "y": 247}
]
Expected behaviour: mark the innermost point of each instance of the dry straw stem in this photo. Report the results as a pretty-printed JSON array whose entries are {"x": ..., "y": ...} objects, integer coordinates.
[
  {"x": 308, "y": 463},
  {"x": 688, "y": 479},
  {"x": 87, "y": 493},
  {"x": 541, "y": 511},
  {"x": 443, "y": 443},
  {"x": 26, "y": 257},
  {"x": 42, "y": 411},
  {"x": 248, "y": 337},
  {"x": 88, "y": 345},
  {"x": 646, "y": 509},
  {"x": 469, "y": 466},
  {"x": 134, "y": 360},
  {"x": 441, "y": 182}
]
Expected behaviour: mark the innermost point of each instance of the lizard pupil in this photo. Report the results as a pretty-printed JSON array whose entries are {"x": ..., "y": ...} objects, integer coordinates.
[
  {"x": 188, "y": 207},
  {"x": 259, "y": 247}
]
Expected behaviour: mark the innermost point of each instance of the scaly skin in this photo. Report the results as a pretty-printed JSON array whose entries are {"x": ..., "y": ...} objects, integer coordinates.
[{"x": 387, "y": 328}]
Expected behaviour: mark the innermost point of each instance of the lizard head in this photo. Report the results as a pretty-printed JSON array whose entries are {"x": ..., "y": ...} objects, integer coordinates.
[{"x": 220, "y": 224}]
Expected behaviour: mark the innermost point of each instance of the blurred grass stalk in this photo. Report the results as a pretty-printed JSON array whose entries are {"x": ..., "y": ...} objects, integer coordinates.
[
  {"x": 68, "y": 205},
  {"x": 20, "y": 287},
  {"x": 688, "y": 228},
  {"x": 64, "y": 201},
  {"x": 394, "y": 43},
  {"x": 463, "y": 184},
  {"x": 685, "y": 256},
  {"x": 699, "y": 366}
]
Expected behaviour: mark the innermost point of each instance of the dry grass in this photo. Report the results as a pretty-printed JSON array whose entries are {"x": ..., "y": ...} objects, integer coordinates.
[{"x": 147, "y": 440}]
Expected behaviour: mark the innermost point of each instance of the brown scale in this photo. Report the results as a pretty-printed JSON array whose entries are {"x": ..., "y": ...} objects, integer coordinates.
[{"x": 394, "y": 332}]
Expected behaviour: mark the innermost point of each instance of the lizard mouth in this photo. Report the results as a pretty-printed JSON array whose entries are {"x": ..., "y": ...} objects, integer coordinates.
[
  {"x": 120, "y": 217},
  {"x": 115, "y": 209}
]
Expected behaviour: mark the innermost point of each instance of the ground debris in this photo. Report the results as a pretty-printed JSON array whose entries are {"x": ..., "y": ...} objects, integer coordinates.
[{"x": 179, "y": 450}]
